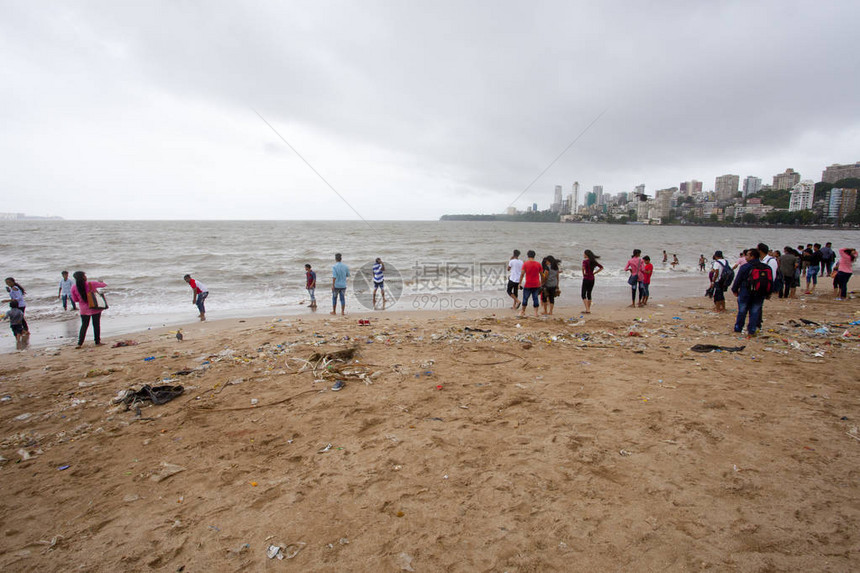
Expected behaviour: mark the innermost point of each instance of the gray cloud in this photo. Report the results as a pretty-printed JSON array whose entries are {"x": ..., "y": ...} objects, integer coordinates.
[{"x": 413, "y": 109}]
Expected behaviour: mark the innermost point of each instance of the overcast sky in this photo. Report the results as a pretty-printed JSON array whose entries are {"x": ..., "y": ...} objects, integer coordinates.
[{"x": 409, "y": 109}]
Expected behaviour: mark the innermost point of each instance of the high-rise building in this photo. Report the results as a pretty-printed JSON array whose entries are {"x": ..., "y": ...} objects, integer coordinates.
[
  {"x": 726, "y": 186},
  {"x": 840, "y": 202},
  {"x": 556, "y": 200},
  {"x": 534, "y": 207},
  {"x": 786, "y": 180},
  {"x": 802, "y": 196},
  {"x": 575, "y": 192},
  {"x": 838, "y": 172},
  {"x": 691, "y": 187},
  {"x": 640, "y": 189},
  {"x": 752, "y": 185},
  {"x": 663, "y": 201}
]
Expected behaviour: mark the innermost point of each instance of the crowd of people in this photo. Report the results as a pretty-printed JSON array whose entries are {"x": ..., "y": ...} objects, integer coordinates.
[
  {"x": 753, "y": 278},
  {"x": 762, "y": 272}
]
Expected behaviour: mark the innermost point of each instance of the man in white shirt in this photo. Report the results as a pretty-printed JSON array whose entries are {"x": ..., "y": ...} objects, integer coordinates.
[
  {"x": 718, "y": 267},
  {"x": 515, "y": 268}
]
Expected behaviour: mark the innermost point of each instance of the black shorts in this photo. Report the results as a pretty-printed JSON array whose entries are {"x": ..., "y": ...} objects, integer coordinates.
[
  {"x": 17, "y": 329},
  {"x": 513, "y": 288}
]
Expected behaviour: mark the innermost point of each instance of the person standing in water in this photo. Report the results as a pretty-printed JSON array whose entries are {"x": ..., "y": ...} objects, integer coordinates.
[
  {"x": 65, "y": 291},
  {"x": 200, "y": 293}
]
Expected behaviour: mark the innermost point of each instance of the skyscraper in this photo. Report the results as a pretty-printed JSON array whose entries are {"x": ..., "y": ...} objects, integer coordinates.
[
  {"x": 786, "y": 180},
  {"x": 726, "y": 186},
  {"x": 752, "y": 185},
  {"x": 556, "y": 200},
  {"x": 640, "y": 189},
  {"x": 575, "y": 192}
]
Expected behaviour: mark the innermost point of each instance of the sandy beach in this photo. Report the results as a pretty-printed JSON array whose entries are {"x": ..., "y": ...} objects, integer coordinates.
[{"x": 462, "y": 441}]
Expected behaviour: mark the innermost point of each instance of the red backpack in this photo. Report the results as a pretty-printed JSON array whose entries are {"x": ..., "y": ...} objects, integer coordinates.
[{"x": 760, "y": 281}]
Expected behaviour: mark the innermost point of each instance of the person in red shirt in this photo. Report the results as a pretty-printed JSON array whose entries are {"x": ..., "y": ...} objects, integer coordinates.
[
  {"x": 531, "y": 282},
  {"x": 200, "y": 292},
  {"x": 645, "y": 274}
]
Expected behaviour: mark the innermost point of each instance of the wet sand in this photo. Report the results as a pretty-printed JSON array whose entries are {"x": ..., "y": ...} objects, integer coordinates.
[{"x": 577, "y": 442}]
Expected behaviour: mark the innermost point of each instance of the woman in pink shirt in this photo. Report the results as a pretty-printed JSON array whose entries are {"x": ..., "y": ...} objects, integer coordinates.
[
  {"x": 79, "y": 295},
  {"x": 634, "y": 265},
  {"x": 847, "y": 256}
]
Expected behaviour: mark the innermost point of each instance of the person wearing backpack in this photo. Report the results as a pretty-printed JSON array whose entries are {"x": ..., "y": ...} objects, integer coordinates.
[
  {"x": 753, "y": 283},
  {"x": 721, "y": 280}
]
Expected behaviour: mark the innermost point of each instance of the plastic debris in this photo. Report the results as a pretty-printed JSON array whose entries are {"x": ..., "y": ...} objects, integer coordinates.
[{"x": 404, "y": 561}]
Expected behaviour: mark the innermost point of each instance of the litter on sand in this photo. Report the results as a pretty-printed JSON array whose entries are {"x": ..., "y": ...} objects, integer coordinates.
[{"x": 716, "y": 348}]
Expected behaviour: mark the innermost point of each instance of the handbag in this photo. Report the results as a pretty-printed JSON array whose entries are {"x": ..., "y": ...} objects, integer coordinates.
[
  {"x": 633, "y": 279},
  {"x": 96, "y": 300}
]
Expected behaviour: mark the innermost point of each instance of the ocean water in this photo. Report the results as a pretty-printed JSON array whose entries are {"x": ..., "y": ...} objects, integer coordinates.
[{"x": 255, "y": 268}]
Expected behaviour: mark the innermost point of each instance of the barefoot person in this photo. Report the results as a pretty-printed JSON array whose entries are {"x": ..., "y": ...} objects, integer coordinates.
[
  {"x": 550, "y": 283},
  {"x": 645, "y": 283},
  {"x": 379, "y": 281},
  {"x": 16, "y": 293},
  {"x": 515, "y": 269},
  {"x": 339, "y": 273},
  {"x": 530, "y": 279},
  {"x": 311, "y": 285},
  {"x": 634, "y": 265},
  {"x": 590, "y": 268},
  {"x": 200, "y": 292},
  {"x": 16, "y": 321},
  {"x": 80, "y": 291},
  {"x": 65, "y": 291},
  {"x": 847, "y": 256}
]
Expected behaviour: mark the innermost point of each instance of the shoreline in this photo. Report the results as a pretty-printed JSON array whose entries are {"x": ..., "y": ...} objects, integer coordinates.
[{"x": 63, "y": 330}]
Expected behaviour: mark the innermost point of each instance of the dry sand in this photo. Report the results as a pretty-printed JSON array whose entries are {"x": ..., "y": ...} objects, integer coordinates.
[{"x": 560, "y": 444}]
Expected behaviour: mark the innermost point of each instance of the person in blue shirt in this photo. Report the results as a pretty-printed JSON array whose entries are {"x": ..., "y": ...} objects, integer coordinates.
[
  {"x": 339, "y": 272},
  {"x": 747, "y": 302},
  {"x": 379, "y": 281},
  {"x": 65, "y": 291}
]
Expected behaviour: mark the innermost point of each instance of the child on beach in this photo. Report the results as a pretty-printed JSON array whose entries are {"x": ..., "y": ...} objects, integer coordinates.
[
  {"x": 65, "y": 291},
  {"x": 311, "y": 284},
  {"x": 16, "y": 293},
  {"x": 199, "y": 294},
  {"x": 675, "y": 261},
  {"x": 647, "y": 271},
  {"x": 379, "y": 281},
  {"x": 16, "y": 320},
  {"x": 702, "y": 263}
]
